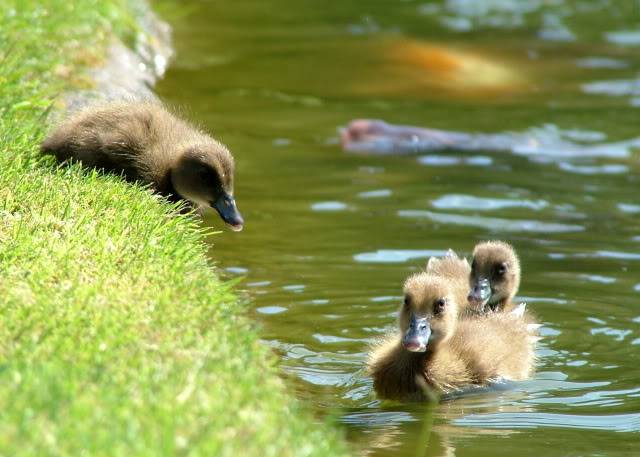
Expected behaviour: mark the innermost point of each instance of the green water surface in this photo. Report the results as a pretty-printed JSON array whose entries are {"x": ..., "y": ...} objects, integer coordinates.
[{"x": 330, "y": 236}]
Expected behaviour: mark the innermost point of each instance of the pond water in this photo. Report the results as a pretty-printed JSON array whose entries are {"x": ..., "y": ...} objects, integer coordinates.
[{"x": 330, "y": 236}]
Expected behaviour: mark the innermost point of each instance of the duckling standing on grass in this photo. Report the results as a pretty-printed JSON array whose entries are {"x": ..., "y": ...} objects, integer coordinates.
[
  {"x": 145, "y": 142},
  {"x": 495, "y": 276},
  {"x": 438, "y": 350}
]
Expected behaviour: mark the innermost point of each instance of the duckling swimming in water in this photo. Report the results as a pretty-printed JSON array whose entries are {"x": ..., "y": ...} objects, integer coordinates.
[
  {"x": 455, "y": 271},
  {"x": 144, "y": 142},
  {"x": 495, "y": 276},
  {"x": 437, "y": 349}
]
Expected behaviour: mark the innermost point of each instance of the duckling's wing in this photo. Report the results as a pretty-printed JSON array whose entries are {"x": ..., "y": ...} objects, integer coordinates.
[
  {"x": 447, "y": 264},
  {"x": 519, "y": 310},
  {"x": 532, "y": 329},
  {"x": 451, "y": 255},
  {"x": 432, "y": 264}
]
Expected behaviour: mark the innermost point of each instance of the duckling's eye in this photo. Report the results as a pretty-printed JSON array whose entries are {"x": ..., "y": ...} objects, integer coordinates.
[
  {"x": 502, "y": 269},
  {"x": 407, "y": 302},
  {"x": 439, "y": 305},
  {"x": 208, "y": 175}
]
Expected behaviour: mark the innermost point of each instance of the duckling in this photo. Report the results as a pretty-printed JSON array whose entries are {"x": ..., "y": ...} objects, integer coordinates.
[
  {"x": 144, "y": 142},
  {"x": 495, "y": 276},
  {"x": 455, "y": 271},
  {"x": 438, "y": 350}
]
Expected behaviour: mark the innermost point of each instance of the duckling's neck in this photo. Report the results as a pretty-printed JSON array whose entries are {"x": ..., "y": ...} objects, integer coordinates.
[
  {"x": 411, "y": 378},
  {"x": 400, "y": 374},
  {"x": 416, "y": 360},
  {"x": 166, "y": 188},
  {"x": 499, "y": 305}
]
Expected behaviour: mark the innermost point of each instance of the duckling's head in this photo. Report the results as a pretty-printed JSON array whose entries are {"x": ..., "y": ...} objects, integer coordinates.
[
  {"x": 203, "y": 174},
  {"x": 428, "y": 314},
  {"x": 495, "y": 275}
]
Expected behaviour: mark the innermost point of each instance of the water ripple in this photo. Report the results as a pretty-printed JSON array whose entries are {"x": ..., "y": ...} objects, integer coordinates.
[
  {"x": 607, "y": 169},
  {"x": 601, "y": 62},
  {"x": 331, "y": 339},
  {"x": 624, "y": 37},
  {"x": 329, "y": 206},
  {"x": 321, "y": 376},
  {"x": 617, "y": 334},
  {"x": 492, "y": 223},
  {"x": 613, "y": 422},
  {"x": 629, "y": 208},
  {"x": 434, "y": 160},
  {"x": 271, "y": 309},
  {"x": 598, "y": 278},
  {"x": 593, "y": 398},
  {"x": 614, "y": 88},
  {"x": 456, "y": 201},
  {"x": 617, "y": 255},
  {"x": 380, "y": 193},
  {"x": 377, "y": 418},
  {"x": 396, "y": 255}
]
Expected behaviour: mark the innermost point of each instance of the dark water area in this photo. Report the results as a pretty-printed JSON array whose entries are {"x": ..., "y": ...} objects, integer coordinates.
[{"x": 330, "y": 236}]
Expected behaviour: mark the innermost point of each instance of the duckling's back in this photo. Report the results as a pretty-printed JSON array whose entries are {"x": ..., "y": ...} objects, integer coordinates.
[
  {"x": 496, "y": 345},
  {"x": 137, "y": 139}
]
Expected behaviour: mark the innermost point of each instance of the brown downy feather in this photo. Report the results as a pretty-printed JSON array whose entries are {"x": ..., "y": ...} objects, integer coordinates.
[
  {"x": 497, "y": 262},
  {"x": 455, "y": 270},
  {"x": 402, "y": 375},
  {"x": 462, "y": 352},
  {"x": 141, "y": 139},
  {"x": 144, "y": 142}
]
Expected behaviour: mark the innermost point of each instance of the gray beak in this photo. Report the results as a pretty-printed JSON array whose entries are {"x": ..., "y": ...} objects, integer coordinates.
[
  {"x": 225, "y": 205},
  {"x": 417, "y": 336},
  {"x": 480, "y": 292}
]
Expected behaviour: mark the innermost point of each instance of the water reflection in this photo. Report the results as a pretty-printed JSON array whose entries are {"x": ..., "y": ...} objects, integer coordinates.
[
  {"x": 381, "y": 193},
  {"x": 449, "y": 160},
  {"x": 624, "y": 37},
  {"x": 396, "y": 255},
  {"x": 601, "y": 62},
  {"x": 492, "y": 223},
  {"x": 615, "y": 423},
  {"x": 331, "y": 236},
  {"x": 471, "y": 202},
  {"x": 328, "y": 206}
]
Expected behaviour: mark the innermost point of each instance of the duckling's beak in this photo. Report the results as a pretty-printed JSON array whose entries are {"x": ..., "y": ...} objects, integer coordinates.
[
  {"x": 417, "y": 336},
  {"x": 226, "y": 207},
  {"x": 480, "y": 292}
]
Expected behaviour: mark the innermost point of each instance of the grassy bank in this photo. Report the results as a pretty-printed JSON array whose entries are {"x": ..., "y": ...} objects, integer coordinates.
[{"x": 116, "y": 337}]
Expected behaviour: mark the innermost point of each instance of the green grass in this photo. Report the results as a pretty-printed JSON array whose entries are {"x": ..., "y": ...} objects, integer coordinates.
[{"x": 116, "y": 335}]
